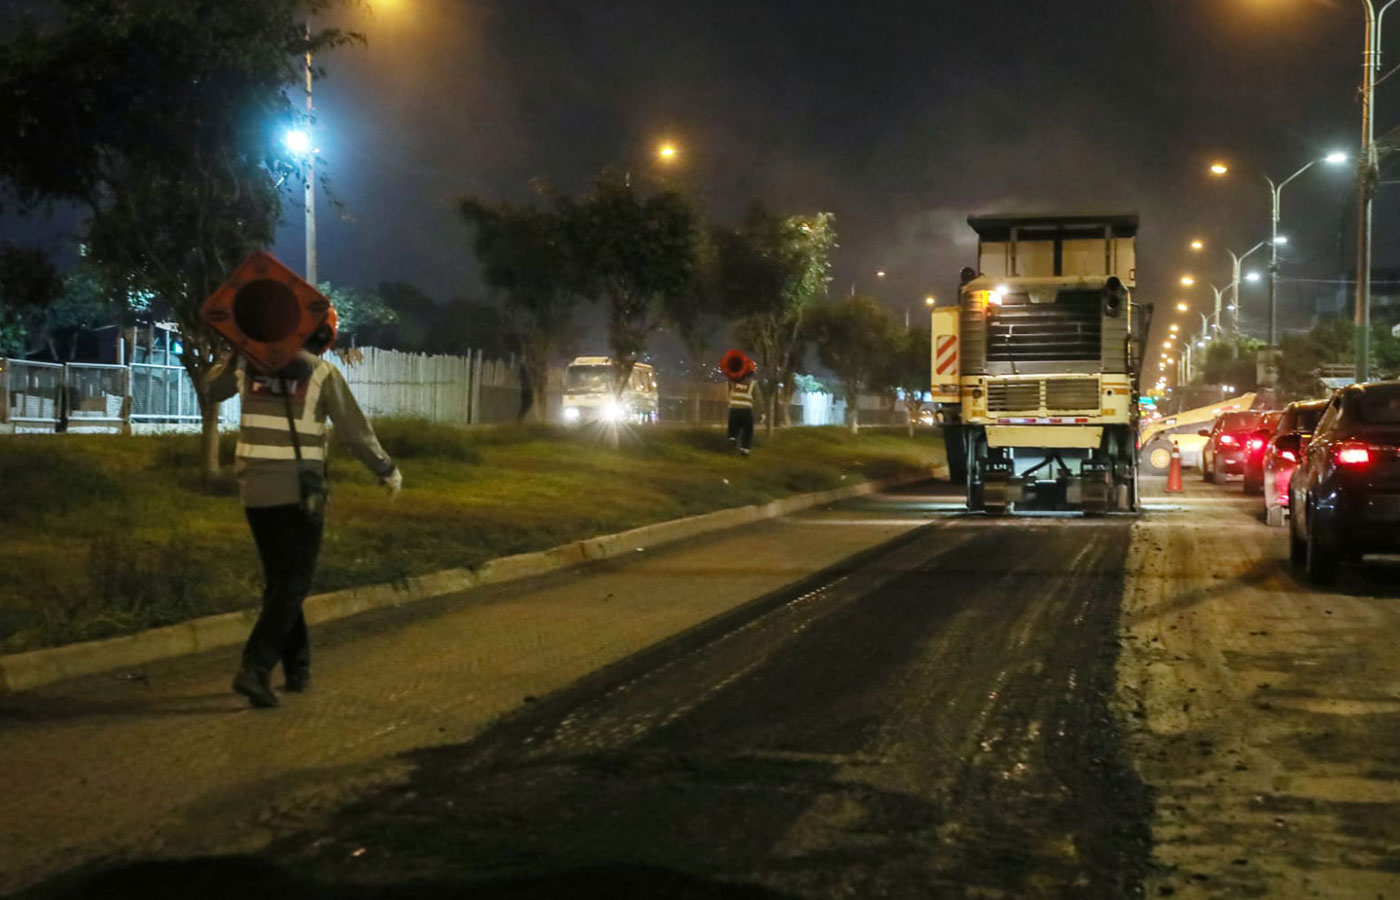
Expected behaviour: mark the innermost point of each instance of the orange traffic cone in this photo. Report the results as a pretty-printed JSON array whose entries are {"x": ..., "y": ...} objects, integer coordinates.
[{"x": 1174, "y": 473}]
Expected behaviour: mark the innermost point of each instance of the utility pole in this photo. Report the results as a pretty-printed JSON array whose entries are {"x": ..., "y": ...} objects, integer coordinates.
[
  {"x": 1365, "y": 189},
  {"x": 310, "y": 172}
]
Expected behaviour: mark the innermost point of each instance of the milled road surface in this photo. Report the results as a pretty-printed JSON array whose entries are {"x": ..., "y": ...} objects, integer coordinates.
[
  {"x": 936, "y": 722},
  {"x": 1129, "y": 706}
]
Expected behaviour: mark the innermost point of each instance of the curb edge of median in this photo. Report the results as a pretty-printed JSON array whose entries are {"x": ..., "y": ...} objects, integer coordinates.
[{"x": 35, "y": 668}]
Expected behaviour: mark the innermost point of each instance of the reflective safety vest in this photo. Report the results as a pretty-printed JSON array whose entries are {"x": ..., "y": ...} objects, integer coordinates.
[
  {"x": 264, "y": 432},
  {"x": 741, "y": 394}
]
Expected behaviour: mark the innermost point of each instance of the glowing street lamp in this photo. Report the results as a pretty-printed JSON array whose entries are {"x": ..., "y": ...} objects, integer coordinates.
[
  {"x": 297, "y": 141},
  {"x": 1174, "y": 328},
  {"x": 1219, "y": 168},
  {"x": 1275, "y": 239},
  {"x": 668, "y": 152},
  {"x": 1187, "y": 281},
  {"x": 1181, "y": 306},
  {"x": 1198, "y": 245}
]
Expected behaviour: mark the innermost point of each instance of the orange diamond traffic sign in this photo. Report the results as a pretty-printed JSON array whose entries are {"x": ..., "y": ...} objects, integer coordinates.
[{"x": 265, "y": 311}]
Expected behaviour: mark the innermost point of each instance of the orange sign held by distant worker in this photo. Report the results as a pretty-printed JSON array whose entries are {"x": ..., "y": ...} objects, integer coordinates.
[
  {"x": 736, "y": 364},
  {"x": 266, "y": 311}
]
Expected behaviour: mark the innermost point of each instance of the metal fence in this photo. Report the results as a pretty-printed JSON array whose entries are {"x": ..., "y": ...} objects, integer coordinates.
[
  {"x": 163, "y": 397},
  {"x": 32, "y": 393},
  {"x": 457, "y": 390}
]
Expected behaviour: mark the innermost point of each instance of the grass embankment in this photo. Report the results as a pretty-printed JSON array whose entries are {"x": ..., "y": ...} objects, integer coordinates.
[{"x": 104, "y": 535}]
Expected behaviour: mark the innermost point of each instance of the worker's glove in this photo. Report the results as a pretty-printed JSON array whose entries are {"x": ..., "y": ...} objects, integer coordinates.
[{"x": 393, "y": 482}]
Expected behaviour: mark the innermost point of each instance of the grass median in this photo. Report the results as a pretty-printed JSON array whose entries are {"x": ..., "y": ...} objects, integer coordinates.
[{"x": 104, "y": 535}]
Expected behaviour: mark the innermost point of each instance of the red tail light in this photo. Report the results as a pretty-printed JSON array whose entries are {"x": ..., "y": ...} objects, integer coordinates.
[
  {"x": 1353, "y": 455},
  {"x": 1256, "y": 443},
  {"x": 1227, "y": 439},
  {"x": 1288, "y": 455}
]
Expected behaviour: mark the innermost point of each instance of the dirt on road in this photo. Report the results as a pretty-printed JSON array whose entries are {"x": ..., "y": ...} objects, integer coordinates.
[{"x": 1265, "y": 713}]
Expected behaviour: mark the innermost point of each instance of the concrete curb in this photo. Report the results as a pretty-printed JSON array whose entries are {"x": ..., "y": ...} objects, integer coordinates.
[{"x": 23, "y": 671}]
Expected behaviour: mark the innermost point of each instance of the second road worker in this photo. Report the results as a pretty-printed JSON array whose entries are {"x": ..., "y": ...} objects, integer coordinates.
[
  {"x": 282, "y": 481},
  {"x": 741, "y": 400}
]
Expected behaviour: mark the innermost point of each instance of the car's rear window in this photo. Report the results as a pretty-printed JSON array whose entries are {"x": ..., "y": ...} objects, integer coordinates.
[
  {"x": 1306, "y": 419},
  {"x": 1240, "y": 421},
  {"x": 1380, "y": 405}
]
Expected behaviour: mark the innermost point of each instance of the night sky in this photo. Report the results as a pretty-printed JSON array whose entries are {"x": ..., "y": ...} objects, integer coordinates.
[{"x": 900, "y": 117}]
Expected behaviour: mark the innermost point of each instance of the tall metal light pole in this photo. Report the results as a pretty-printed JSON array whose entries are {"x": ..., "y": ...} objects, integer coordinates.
[
  {"x": 1275, "y": 196},
  {"x": 1235, "y": 262},
  {"x": 1366, "y": 172},
  {"x": 1276, "y": 191},
  {"x": 310, "y": 172}
]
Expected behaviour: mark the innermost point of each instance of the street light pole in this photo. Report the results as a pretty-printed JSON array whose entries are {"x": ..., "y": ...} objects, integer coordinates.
[
  {"x": 310, "y": 172},
  {"x": 1366, "y": 170}
]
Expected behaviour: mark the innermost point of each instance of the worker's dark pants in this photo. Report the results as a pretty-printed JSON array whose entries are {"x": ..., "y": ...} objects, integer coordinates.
[
  {"x": 288, "y": 543},
  {"x": 741, "y": 427}
]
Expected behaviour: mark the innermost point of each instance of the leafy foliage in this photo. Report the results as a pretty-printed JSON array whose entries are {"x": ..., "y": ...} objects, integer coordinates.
[
  {"x": 638, "y": 251},
  {"x": 855, "y": 339},
  {"x": 771, "y": 270},
  {"x": 909, "y": 368},
  {"x": 526, "y": 256},
  {"x": 158, "y": 119},
  {"x": 29, "y": 288}
]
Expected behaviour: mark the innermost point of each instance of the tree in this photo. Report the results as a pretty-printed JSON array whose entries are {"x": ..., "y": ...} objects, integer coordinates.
[
  {"x": 416, "y": 322},
  {"x": 526, "y": 256},
  {"x": 359, "y": 312},
  {"x": 637, "y": 250},
  {"x": 910, "y": 369},
  {"x": 159, "y": 120},
  {"x": 855, "y": 339},
  {"x": 29, "y": 288},
  {"x": 1232, "y": 363},
  {"x": 772, "y": 270}
]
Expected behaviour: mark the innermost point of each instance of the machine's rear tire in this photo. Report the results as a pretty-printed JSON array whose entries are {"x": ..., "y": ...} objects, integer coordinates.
[
  {"x": 955, "y": 448},
  {"x": 1156, "y": 457},
  {"x": 975, "y": 456}
]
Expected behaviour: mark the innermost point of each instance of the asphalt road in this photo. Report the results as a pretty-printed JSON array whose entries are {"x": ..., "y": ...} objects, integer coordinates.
[{"x": 934, "y": 722}]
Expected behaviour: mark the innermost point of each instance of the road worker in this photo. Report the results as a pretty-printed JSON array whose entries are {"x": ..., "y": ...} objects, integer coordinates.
[
  {"x": 741, "y": 400},
  {"x": 281, "y": 468}
]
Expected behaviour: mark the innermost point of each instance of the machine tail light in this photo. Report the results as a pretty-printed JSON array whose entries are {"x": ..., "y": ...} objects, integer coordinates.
[
  {"x": 1288, "y": 455},
  {"x": 1227, "y": 439},
  {"x": 1353, "y": 455}
]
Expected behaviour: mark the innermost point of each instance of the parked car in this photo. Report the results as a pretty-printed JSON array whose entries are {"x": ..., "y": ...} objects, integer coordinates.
[
  {"x": 1295, "y": 428},
  {"x": 1254, "y": 447},
  {"x": 1224, "y": 449},
  {"x": 1345, "y": 496}
]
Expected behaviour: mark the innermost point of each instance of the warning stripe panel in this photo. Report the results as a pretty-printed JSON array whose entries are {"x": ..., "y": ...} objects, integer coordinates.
[{"x": 947, "y": 354}]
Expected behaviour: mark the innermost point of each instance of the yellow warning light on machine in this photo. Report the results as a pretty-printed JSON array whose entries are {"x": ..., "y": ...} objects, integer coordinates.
[{"x": 982, "y": 300}]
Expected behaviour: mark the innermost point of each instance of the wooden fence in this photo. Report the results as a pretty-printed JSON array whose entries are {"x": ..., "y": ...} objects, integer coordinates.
[{"x": 459, "y": 390}]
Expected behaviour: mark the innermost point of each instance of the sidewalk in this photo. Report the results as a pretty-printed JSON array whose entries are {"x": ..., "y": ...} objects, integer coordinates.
[{"x": 166, "y": 761}]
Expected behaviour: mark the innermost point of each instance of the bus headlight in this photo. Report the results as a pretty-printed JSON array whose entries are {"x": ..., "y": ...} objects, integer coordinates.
[{"x": 614, "y": 411}]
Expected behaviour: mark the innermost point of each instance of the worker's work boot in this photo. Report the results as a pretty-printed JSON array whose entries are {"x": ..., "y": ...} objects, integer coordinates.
[
  {"x": 298, "y": 679},
  {"x": 256, "y": 686}
]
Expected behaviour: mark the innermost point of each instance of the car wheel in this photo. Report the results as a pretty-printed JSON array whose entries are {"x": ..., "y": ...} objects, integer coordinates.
[
  {"x": 1207, "y": 472},
  {"x": 1322, "y": 563},
  {"x": 1297, "y": 547}
]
